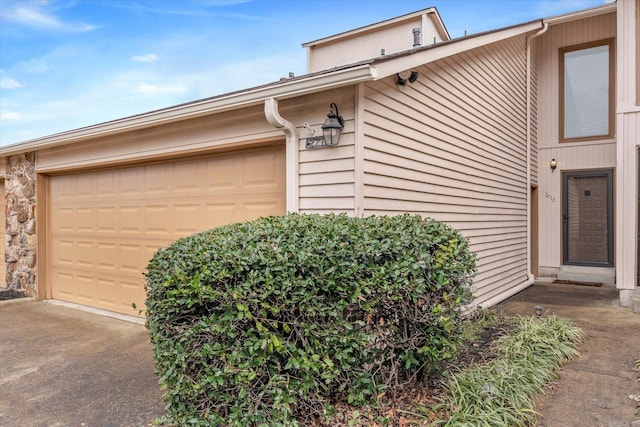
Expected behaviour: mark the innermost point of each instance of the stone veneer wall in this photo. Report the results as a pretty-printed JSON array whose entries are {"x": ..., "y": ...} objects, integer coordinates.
[{"x": 20, "y": 217}]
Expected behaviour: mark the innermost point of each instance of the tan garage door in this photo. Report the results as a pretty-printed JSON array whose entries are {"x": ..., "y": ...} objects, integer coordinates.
[{"x": 106, "y": 225}]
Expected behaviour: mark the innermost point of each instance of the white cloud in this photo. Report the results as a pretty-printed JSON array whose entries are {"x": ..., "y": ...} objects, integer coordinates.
[
  {"x": 151, "y": 88},
  {"x": 10, "y": 84},
  {"x": 149, "y": 57},
  {"x": 6, "y": 114},
  {"x": 34, "y": 15},
  {"x": 147, "y": 88}
]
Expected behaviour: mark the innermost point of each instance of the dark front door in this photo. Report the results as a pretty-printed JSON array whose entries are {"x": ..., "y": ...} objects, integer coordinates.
[{"x": 587, "y": 215}]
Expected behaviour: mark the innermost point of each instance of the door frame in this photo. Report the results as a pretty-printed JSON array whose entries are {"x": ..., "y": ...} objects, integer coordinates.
[{"x": 608, "y": 173}]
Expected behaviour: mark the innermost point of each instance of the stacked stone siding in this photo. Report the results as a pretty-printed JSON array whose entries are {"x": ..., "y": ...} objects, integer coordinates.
[{"x": 20, "y": 216}]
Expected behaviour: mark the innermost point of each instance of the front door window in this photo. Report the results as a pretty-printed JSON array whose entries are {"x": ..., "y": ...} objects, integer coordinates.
[{"x": 587, "y": 218}]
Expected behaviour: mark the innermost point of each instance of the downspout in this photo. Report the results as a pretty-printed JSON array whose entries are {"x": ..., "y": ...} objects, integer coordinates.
[
  {"x": 530, "y": 279},
  {"x": 544, "y": 29},
  {"x": 291, "y": 151}
]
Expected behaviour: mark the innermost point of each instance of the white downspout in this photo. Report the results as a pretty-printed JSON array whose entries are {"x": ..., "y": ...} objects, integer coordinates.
[
  {"x": 291, "y": 162},
  {"x": 545, "y": 27}
]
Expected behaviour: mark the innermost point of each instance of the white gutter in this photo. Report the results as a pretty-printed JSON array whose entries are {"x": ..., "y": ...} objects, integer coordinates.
[
  {"x": 582, "y": 14},
  {"x": 233, "y": 101},
  {"x": 545, "y": 27},
  {"x": 291, "y": 163}
]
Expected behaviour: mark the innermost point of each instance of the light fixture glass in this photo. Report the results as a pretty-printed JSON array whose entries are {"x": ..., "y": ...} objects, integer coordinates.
[
  {"x": 331, "y": 130},
  {"x": 553, "y": 164}
]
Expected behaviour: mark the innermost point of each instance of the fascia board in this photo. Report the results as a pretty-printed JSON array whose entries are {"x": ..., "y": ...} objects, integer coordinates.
[
  {"x": 393, "y": 66},
  {"x": 368, "y": 28},
  {"x": 587, "y": 13},
  {"x": 220, "y": 104},
  {"x": 437, "y": 20}
]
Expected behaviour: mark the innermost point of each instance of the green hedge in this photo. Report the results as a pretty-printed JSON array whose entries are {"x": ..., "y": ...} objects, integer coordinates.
[{"x": 272, "y": 321}]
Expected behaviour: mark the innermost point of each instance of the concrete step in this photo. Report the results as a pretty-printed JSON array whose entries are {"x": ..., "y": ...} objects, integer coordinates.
[{"x": 575, "y": 273}]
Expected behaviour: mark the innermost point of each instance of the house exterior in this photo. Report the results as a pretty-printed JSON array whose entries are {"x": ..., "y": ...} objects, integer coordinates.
[{"x": 461, "y": 130}]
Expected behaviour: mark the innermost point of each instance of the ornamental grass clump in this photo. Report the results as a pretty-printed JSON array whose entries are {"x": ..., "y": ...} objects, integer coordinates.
[
  {"x": 525, "y": 361},
  {"x": 274, "y": 321}
]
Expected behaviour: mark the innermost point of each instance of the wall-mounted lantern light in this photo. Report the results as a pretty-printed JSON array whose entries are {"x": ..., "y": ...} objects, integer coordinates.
[
  {"x": 331, "y": 129},
  {"x": 553, "y": 164}
]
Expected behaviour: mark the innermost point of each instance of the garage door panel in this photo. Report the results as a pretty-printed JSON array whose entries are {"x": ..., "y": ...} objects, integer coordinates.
[
  {"x": 107, "y": 184},
  {"x": 261, "y": 171},
  {"x": 106, "y": 219},
  {"x": 84, "y": 187},
  {"x": 64, "y": 188},
  {"x": 64, "y": 252},
  {"x": 108, "y": 257},
  {"x": 84, "y": 219},
  {"x": 158, "y": 220},
  {"x": 188, "y": 177},
  {"x": 222, "y": 175},
  {"x": 131, "y": 219},
  {"x": 63, "y": 219},
  {"x": 106, "y": 225},
  {"x": 86, "y": 254},
  {"x": 129, "y": 183},
  {"x": 157, "y": 179}
]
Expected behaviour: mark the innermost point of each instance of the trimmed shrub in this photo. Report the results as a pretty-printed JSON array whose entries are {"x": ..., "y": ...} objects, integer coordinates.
[{"x": 269, "y": 322}]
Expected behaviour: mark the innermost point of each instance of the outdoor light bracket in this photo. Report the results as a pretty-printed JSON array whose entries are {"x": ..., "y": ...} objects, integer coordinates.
[{"x": 331, "y": 130}]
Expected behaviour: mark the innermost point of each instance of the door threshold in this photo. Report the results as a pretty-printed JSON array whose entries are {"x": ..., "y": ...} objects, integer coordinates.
[{"x": 584, "y": 274}]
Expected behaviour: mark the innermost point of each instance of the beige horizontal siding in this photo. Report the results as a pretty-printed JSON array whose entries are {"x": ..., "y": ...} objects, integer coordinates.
[
  {"x": 534, "y": 124},
  {"x": 326, "y": 176},
  {"x": 452, "y": 146}
]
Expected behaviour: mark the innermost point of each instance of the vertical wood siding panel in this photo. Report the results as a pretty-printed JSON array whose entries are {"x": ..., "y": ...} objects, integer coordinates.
[{"x": 452, "y": 146}]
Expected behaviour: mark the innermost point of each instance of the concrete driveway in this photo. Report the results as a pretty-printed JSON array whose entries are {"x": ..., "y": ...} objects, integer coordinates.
[{"x": 64, "y": 367}]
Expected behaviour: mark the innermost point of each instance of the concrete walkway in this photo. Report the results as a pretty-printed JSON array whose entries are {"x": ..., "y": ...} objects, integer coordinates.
[
  {"x": 593, "y": 390},
  {"x": 64, "y": 367}
]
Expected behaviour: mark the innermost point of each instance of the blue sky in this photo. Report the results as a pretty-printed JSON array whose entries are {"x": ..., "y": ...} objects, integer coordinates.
[{"x": 66, "y": 64}]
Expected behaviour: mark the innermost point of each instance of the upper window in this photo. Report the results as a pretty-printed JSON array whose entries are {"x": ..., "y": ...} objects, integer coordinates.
[{"x": 586, "y": 92}]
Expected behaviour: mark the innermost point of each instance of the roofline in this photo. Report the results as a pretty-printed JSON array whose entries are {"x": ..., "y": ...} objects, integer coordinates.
[
  {"x": 581, "y": 14},
  {"x": 390, "y": 64},
  {"x": 232, "y": 101},
  {"x": 440, "y": 24},
  {"x": 371, "y": 27},
  {"x": 370, "y": 70}
]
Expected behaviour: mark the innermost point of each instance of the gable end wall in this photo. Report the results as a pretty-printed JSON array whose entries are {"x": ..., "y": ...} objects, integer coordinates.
[{"x": 452, "y": 146}]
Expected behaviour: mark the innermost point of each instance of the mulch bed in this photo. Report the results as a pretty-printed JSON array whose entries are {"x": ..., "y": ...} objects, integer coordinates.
[
  {"x": 11, "y": 294},
  {"x": 398, "y": 409}
]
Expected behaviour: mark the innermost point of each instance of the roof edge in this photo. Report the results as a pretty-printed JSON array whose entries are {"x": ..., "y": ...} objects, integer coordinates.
[
  {"x": 232, "y": 101},
  {"x": 371, "y": 27},
  {"x": 581, "y": 14},
  {"x": 388, "y": 65}
]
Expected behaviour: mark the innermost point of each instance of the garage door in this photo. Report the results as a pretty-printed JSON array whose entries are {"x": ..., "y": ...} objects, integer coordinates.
[{"x": 106, "y": 225}]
